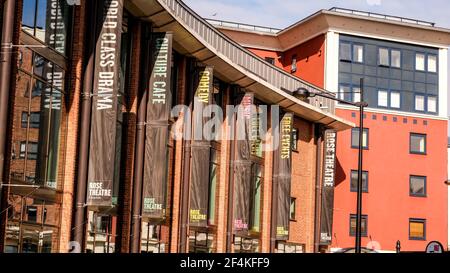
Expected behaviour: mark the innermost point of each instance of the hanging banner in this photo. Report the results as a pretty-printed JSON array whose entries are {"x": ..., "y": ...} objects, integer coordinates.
[
  {"x": 104, "y": 106},
  {"x": 242, "y": 167},
  {"x": 157, "y": 129},
  {"x": 329, "y": 169},
  {"x": 282, "y": 177},
  {"x": 200, "y": 150},
  {"x": 56, "y": 29}
]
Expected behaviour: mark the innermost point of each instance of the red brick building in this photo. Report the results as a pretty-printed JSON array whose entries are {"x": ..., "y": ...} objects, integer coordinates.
[{"x": 88, "y": 161}]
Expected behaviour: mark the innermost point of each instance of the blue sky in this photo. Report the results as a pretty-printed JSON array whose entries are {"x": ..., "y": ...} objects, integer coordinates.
[{"x": 282, "y": 13}]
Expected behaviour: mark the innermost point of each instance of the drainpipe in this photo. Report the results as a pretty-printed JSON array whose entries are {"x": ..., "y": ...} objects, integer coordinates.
[
  {"x": 5, "y": 79},
  {"x": 318, "y": 135},
  {"x": 140, "y": 142},
  {"x": 85, "y": 115}
]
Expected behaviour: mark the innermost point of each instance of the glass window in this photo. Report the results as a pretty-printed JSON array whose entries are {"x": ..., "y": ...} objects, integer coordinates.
[
  {"x": 382, "y": 98},
  {"x": 358, "y": 53},
  {"x": 418, "y": 143},
  {"x": 432, "y": 63},
  {"x": 354, "y": 181},
  {"x": 294, "y": 63},
  {"x": 420, "y": 103},
  {"x": 395, "y": 99},
  {"x": 101, "y": 233},
  {"x": 383, "y": 55},
  {"x": 345, "y": 52},
  {"x": 396, "y": 58},
  {"x": 420, "y": 61},
  {"x": 417, "y": 229},
  {"x": 344, "y": 92},
  {"x": 245, "y": 245},
  {"x": 353, "y": 225},
  {"x": 151, "y": 238},
  {"x": 294, "y": 139},
  {"x": 356, "y": 94},
  {"x": 201, "y": 242},
  {"x": 32, "y": 214},
  {"x": 417, "y": 185},
  {"x": 256, "y": 197},
  {"x": 270, "y": 60},
  {"x": 47, "y": 20},
  {"x": 214, "y": 167},
  {"x": 292, "y": 209},
  {"x": 355, "y": 138},
  {"x": 432, "y": 104}
]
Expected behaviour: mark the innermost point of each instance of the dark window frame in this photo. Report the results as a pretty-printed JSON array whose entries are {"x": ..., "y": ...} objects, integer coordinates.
[
  {"x": 424, "y": 186},
  {"x": 352, "y": 52},
  {"x": 410, "y": 144},
  {"x": 294, "y": 144},
  {"x": 365, "y": 187},
  {"x": 293, "y": 199},
  {"x": 364, "y": 217},
  {"x": 417, "y": 220},
  {"x": 270, "y": 60},
  {"x": 365, "y": 147}
]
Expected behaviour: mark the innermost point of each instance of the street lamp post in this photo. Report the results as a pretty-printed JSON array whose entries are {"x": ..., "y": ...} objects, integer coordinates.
[{"x": 302, "y": 92}]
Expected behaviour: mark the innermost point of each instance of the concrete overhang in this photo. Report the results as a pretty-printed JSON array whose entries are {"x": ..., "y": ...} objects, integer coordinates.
[{"x": 175, "y": 16}]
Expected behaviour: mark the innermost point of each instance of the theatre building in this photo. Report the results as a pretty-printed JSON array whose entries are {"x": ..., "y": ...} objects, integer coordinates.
[
  {"x": 137, "y": 126},
  {"x": 404, "y": 65}
]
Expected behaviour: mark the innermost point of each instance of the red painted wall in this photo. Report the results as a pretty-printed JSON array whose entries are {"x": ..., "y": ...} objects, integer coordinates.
[
  {"x": 310, "y": 60},
  {"x": 388, "y": 203}
]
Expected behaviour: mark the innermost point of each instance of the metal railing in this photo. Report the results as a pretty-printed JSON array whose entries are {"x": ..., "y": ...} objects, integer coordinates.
[
  {"x": 243, "y": 26},
  {"x": 383, "y": 16}
]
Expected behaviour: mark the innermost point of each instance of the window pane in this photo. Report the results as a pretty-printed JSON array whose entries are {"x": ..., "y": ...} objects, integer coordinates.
[
  {"x": 396, "y": 58},
  {"x": 345, "y": 52},
  {"x": 292, "y": 209},
  {"x": 382, "y": 98},
  {"x": 344, "y": 93},
  {"x": 383, "y": 56},
  {"x": 354, "y": 181},
  {"x": 358, "y": 53},
  {"x": 420, "y": 61},
  {"x": 356, "y": 94},
  {"x": 395, "y": 99},
  {"x": 355, "y": 138},
  {"x": 418, "y": 143},
  {"x": 432, "y": 63},
  {"x": 416, "y": 229},
  {"x": 363, "y": 225},
  {"x": 28, "y": 16},
  {"x": 420, "y": 103},
  {"x": 432, "y": 104},
  {"x": 417, "y": 185}
]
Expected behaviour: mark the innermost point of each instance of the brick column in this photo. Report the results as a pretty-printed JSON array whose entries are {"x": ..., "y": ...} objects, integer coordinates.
[
  {"x": 224, "y": 179},
  {"x": 74, "y": 97},
  {"x": 178, "y": 158},
  {"x": 267, "y": 190},
  {"x": 128, "y": 143}
]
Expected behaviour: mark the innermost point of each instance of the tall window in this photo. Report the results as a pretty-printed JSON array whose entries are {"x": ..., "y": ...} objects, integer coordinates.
[
  {"x": 432, "y": 63},
  {"x": 417, "y": 229},
  {"x": 420, "y": 61},
  {"x": 151, "y": 238},
  {"x": 432, "y": 104},
  {"x": 420, "y": 103},
  {"x": 256, "y": 197},
  {"x": 417, "y": 186},
  {"x": 418, "y": 143},
  {"x": 383, "y": 56},
  {"x": 354, "y": 181},
  {"x": 383, "y": 98},
  {"x": 213, "y": 176},
  {"x": 292, "y": 208},
  {"x": 355, "y": 138},
  {"x": 358, "y": 53},
  {"x": 396, "y": 58},
  {"x": 294, "y": 63},
  {"x": 353, "y": 225},
  {"x": 48, "y": 20},
  {"x": 345, "y": 52}
]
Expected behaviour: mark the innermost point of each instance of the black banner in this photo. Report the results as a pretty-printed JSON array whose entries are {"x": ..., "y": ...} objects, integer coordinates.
[
  {"x": 200, "y": 150},
  {"x": 242, "y": 166},
  {"x": 104, "y": 106},
  {"x": 329, "y": 167},
  {"x": 157, "y": 129},
  {"x": 282, "y": 177},
  {"x": 56, "y": 29}
]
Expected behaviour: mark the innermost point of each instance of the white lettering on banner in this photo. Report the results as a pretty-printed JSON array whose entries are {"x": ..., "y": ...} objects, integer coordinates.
[
  {"x": 330, "y": 155},
  {"x": 96, "y": 190},
  {"x": 108, "y": 48},
  {"x": 57, "y": 27},
  {"x": 160, "y": 71}
]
